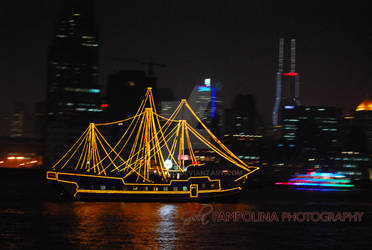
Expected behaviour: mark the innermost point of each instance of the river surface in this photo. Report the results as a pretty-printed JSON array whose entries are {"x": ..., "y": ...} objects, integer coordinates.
[{"x": 30, "y": 219}]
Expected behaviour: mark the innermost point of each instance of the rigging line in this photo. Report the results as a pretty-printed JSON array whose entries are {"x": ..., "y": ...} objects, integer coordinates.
[
  {"x": 167, "y": 119},
  {"x": 136, "y": 116},
  {"x": 82, "y": 152},
  {"x": 93, "y": 153},
  {"x": 70, "y": 148},
  {"x": 167, "y": 137},
  {"x": 192, "y": 155},
  {"x": 183, "y": 144},
  {"x": 214, "y": 148},
  {"x": 170, "y": 135},
  {"x": 122, "y": 137},
  {"x": 135, "y": 154},
  {"x": 106, "y": 153},
  {"x": 97, "y": 156},
  {"x": 141, "y": 158},
  {"x": 157, "y": 147},
  {"x": 213, "y": 136},
  {"x": 140, "y": 136},
  {"x": 115, "y": 122},
  {"x": 125, "y": 144},
  {"x": 99, "y": 133},
  {"x": 137, "y": 163},
  {"x": 176, "y": 112},
  {"x": 111, "y": 160},
  {"x": 89, "y": 148},
  {"x": 127, "y": 162},
  {"x": 174, "y": 146},
  {"x": 72, "y": 154},
  {"x": 145, "y": 144},
  {"x": 162, "y": 134},
  {"x": 180, "y": 147},
  {"x": 241, "y": 177},
  {"x": 137, "y": 113}
]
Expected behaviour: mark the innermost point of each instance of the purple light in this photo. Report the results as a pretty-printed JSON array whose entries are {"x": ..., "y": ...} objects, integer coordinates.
[
  {"x": 322, "y": 189},
  {"x": 314, "y": 184},
  {"x": 319, "y": 180}
]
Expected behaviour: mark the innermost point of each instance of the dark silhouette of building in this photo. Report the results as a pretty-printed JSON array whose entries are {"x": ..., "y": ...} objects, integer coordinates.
[
  {"x": 73, "y": 95},
  {"x": 242, "y": 118},
  {"x": 39, "y": 117},
  {"x": 361, "y": 133},
  {"x": 241, "y": 129},
  {"x": 302, "y": 124},
  {"x": 165, "y": 94},
  {"x": 310, "y": 132},
  {"x": 125, "y": 92},
  {"x": 17, "y": 125}
]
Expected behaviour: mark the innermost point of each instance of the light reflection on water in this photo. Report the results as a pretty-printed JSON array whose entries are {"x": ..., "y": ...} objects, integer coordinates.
[
  {"x": 113, "y": 224},
  {"x": 129, "y": 225}
]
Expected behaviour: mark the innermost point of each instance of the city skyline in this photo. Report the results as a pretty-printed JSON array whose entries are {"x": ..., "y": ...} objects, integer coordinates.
[{"x": 234, "y": 43}]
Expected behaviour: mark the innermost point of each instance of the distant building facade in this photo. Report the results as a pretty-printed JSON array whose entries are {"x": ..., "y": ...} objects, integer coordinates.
[
  {"x": 312, "y": 128},
  {"x": 17, "y": 125},
  {"x": 242, "y": 118},
  {"x": 73, "y": 95},
  {"x": 206, "y": 100}
]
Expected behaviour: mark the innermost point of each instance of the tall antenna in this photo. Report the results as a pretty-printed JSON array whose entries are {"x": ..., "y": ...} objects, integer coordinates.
[
  {"x": 287, "y": 80},
  {"x": 278, "y": 82},
  {"x": 293, "y": 55},
  {"x": 281, "y": 54}
]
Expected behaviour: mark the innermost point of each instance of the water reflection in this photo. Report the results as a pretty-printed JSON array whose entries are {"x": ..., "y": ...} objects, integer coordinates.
[
  {"x": 168, "y": 226},
  {"x": 135, "y": 225}
]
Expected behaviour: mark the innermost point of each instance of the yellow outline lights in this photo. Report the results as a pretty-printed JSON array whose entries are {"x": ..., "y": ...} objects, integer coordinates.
[{"x": 154, "y": 148}]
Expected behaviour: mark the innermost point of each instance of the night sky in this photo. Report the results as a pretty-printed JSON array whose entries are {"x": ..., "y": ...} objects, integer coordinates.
[{"x": 234, "y": 42}]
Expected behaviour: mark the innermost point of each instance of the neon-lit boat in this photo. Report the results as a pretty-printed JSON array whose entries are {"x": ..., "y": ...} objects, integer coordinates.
[
  {"x": 154, "y": 159},
  {"x": 323, "y": 181}
]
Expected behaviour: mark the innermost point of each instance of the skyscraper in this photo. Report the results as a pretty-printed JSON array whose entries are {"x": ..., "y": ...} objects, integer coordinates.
[
  {"x": 207, "y": 103},
  {"x": 73, "y": 95},
  {"x": 287, "y": 80},
  {"x": 311, "y": 126}
]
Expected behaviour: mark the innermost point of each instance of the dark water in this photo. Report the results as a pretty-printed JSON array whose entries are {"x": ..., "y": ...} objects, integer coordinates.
[{"x": 29, "y": 219}]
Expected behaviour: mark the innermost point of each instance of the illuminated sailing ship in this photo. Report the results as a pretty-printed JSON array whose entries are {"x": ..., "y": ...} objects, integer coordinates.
[{"x": 153, "y": 160}]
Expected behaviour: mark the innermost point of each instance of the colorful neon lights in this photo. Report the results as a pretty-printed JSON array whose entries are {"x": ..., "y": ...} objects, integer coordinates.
[
  {"x": 315, "y": 184},
  {"x": 319, "y": 179}
]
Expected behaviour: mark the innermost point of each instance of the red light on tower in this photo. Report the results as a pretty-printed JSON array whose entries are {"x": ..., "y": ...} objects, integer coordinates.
[
  {"x": 104, "y": 105},
  {"x": 290, "y": 74}
]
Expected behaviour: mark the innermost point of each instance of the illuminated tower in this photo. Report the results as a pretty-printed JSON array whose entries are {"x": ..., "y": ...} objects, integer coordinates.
[{"x": 287, "y": 80}]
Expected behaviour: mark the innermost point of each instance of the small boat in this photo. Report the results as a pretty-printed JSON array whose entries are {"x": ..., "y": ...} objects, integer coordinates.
[
  {"x": 319, "y": 181},
  {"x": 153, "y": 159}
]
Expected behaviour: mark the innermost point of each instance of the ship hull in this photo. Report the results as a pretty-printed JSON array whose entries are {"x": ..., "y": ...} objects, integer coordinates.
[{"x": 102, "y": 188}]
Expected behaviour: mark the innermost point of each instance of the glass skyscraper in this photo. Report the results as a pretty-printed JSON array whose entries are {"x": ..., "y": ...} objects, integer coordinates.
[{"x": 73, "y": 96}]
